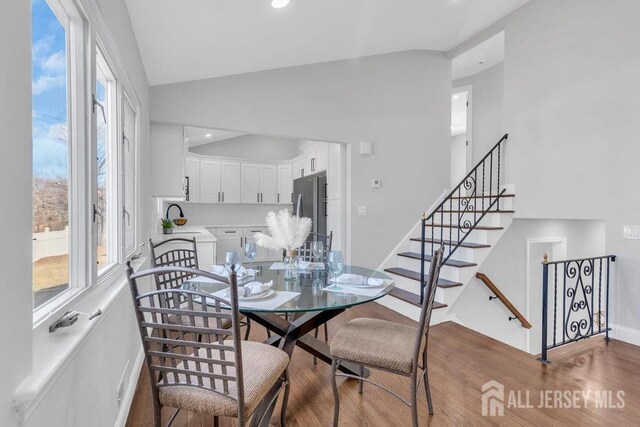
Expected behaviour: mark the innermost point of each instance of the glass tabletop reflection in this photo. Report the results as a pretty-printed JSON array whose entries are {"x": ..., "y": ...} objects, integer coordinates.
[{"x": 310, "y": 286}]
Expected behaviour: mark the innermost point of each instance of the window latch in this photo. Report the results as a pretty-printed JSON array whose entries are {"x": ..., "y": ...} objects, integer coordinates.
[
  {"x": 71, "y": 317},
  {"x": 98, "y": 104}
]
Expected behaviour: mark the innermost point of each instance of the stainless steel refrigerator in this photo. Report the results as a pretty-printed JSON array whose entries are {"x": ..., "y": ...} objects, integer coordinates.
[{"x": 310, "y": 200}]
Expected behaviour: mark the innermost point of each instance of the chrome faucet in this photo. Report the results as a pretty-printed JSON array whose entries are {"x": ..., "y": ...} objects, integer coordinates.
[{"x": 177, "y": 206}]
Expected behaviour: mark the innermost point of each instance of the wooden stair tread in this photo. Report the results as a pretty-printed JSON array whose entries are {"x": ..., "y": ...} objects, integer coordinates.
[
  {"x": 449, "y": 262},
  {"x": 412, "y": 298},
  {"x": 492, "y": 196},
  {"x": 479, "y": 227},
  {"x": 415, "y": 275},
  {"x": 470, "y": 245},
  {"x": 479, "y": 211}
]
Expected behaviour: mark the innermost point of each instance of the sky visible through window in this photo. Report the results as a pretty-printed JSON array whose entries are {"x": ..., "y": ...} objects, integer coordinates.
[{"x": 50, "y": 136}]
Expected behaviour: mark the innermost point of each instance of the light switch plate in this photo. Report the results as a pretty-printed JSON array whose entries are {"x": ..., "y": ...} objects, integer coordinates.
[
  {"x": 362, "y": 210},
  {"x": 631, "y": 232}
]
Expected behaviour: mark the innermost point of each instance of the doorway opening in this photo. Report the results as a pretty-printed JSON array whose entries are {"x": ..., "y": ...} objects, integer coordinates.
[{"x": 460, "y": 133}]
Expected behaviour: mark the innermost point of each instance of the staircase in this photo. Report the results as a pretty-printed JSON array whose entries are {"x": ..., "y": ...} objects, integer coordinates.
[{"x": 467, "y": 222}]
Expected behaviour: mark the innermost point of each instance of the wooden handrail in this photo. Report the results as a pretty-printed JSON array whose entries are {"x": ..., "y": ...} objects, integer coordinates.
[{"x": 493, "y": 288}]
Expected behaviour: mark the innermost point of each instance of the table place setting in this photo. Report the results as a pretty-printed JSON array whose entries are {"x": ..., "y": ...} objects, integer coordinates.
[
  {"x": 258, "y": 295},
  {"x": 223, "y": 271},
  {"x": 357, "y": 284}
]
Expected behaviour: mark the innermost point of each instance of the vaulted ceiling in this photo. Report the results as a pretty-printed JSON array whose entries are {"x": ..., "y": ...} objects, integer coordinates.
[{"x": 189, "y": 40}]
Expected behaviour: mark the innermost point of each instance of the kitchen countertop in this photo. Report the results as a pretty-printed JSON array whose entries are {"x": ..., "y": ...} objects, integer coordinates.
[{"x": 201, "y": 234}]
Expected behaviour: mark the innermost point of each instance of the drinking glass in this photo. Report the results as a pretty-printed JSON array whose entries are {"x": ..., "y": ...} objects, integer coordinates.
[
  {"x": 250, "y": 251},
  {"x": 318, "y": 249},
  {"x": 232, "y": 258},
  {"x": 336, "y": 263}
]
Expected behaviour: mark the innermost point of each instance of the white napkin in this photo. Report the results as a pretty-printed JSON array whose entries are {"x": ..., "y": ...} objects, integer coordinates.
[
  {"x": 349, "y": 279},
  {"x": 255, "y": 288},
  {"x": 221, "y": 270}
]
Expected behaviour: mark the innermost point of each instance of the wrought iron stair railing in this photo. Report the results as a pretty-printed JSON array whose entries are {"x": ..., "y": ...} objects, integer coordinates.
[
  {"x": 465, "y": 206},
  {"x": 580, "y": 300}
]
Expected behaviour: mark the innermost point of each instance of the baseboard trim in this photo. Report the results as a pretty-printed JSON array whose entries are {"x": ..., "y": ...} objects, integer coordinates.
[
  {"x": 622, "y": 333},
  {"x": 132, "y": 383}
]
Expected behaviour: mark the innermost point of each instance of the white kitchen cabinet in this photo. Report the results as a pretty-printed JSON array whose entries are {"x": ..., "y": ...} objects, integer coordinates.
[
  {"x": 285, "y": 184},
  {"x": 250, "y": 178},
  {"x": 334, "y": 223},
  {"x": 229, "y": 239},
  {"x": 263, "y": 253},
  {"x": 298, "y": 167},
  {"x": 230, "y": 187},
  {"x": 167, "y": 161},
  {"x": 210, "y": 180},
  {"x": 334, "y": 171},
  {"x": 192, "y": 179},
  {"x": 269, "y": 184},
  {"x": 315, "y": 158}
]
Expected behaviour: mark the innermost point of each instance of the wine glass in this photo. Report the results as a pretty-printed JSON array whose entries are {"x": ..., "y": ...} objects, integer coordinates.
[
  {"x": 232, "y": 258},
  {"x": 336, "y": 262},
  {"x": 318, "y": 249},
  {"x": 250, "y": 251}
]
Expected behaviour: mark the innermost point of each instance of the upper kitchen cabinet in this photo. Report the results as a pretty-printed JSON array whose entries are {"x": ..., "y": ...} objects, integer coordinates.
[
  {"x": 210, "y": 181},
  {"x": 315, "y": 158},
  {"x": 192, "y": 179},
  {"x": 167, "y": 161},
  {"x": 298, "y": 167},
  {"x": 250, "y": 183},
  {"x": 269, "y": 183},
  {"x": 230, "y": 187},
  {"x": 285, "y": 184}
]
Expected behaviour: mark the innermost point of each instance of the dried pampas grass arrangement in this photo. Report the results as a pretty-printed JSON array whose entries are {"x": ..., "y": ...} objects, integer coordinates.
[{"x": 287, "y": 232}]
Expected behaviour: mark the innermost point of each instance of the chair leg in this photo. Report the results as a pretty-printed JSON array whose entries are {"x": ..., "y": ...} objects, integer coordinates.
[
  {"x": 268, "y": 333},
  {"x": 361, "y": 385},
  {"x": 248, "y": 330},
  {"x": 315, "y": 335},
  {"x": 157, "y": 418},
  {"x": 216, "y": 421},
  {"x": 336, "y": 395},
  {"x": 427, "y": 389},
  {"x": 326, "y": 333},
  {"x": 414, "y": 400},
  {"x": 285, "y": 399}
]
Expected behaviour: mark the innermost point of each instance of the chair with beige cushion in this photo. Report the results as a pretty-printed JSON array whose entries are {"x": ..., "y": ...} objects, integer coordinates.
[
  {"x": 185, "y": 256},
  {"x": 219, "y": 374},
  {"x": 388, "y": 346}
]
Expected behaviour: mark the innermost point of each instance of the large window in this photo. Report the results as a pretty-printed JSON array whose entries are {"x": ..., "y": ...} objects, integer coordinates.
[
  {"x": 84, "y": 157},
  {"x": 51, "y": 154}
]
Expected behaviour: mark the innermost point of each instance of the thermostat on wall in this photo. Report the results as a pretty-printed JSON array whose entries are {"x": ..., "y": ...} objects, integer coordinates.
[{"x": 376, "y": 183}]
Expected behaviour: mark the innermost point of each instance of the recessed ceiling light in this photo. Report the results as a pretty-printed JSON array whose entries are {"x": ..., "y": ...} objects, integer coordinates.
[
  {"x": 277, "y": 4},
  {"x": 482, "y": 62},
  {"x": 208, "y": 135},
  {"x": 455, "y": 97}
]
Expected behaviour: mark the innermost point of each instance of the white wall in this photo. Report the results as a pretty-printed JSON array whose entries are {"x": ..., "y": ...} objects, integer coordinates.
[
  {"x": 458, "y": 158},
  {"x": 571, "y": 106},
  {"x": 256, "y": 147},
  {"x": 15, "y": 174},
  {"x": 400, "y": 102},
  {"x": 473, "y": 308},
  {"x": 487, "y": 121},
  {"x": 82, "y": 391}
]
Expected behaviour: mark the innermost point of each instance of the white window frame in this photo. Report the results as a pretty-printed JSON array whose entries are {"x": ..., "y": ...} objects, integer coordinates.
[
  {"x": 85, "y": 34},
  {"x": 132, "y": 216}
]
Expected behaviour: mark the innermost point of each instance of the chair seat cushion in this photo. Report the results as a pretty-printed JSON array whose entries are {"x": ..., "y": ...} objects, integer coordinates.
[
  {"x": 262, "y": 365},
  {"x": 377, "y": 343}
]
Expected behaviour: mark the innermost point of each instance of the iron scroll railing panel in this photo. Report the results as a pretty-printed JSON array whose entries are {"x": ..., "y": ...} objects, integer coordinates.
[
  {"x": 461, "y": 211},
  {"x": 575, "y": 301}
]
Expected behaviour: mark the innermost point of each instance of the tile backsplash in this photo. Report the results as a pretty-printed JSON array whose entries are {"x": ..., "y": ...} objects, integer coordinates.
[{"x": 211, "y": 214}]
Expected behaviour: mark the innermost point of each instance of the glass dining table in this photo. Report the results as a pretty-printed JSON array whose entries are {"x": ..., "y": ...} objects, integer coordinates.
[{"x": 308, "y": 302}]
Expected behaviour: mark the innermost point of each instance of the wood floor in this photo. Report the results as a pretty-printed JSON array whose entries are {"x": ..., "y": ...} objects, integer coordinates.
[{"x": 460, "y": 362}]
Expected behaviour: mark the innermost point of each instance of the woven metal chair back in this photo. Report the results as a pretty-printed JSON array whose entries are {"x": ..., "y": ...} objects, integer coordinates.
[
  {"x": 179, "y": 353},
  {"x": 427, "y": 304},
  {"x": 305, "y": 252},
  {"x": 182, "y": 257}
]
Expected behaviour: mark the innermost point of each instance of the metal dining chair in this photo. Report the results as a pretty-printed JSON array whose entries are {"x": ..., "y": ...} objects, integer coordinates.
[
  {"x": 388, "y": 346},
  {"x": 220, "y": 374},
  {"x": 181, "y": 257}
]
